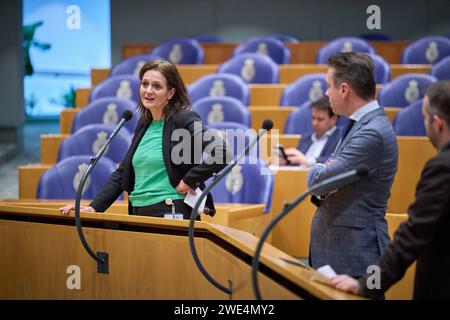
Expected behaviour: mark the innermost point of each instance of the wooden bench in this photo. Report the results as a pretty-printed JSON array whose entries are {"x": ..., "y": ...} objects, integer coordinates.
[{"x": 288, "y": 72}]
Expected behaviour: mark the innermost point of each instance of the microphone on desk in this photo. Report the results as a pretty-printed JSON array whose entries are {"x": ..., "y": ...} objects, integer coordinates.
[
  {"x": 266, "y": 126},
  {"x": 361, "y": 171},
  {"x": 102, "y": 258}
]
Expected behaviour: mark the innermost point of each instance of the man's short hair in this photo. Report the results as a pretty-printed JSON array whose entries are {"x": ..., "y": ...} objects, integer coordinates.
[
  {"x": 323, "y": 104},
  {"x": 438, "y": 94},
  {"x": 356, "y": 69}
]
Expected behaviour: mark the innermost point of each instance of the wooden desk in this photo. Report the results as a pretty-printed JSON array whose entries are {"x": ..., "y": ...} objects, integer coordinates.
[
  {"x": 391, "y": 112},
  {"x": 267, "y": 142},
  {"x": 148, "y": 258},
  {"x": 413, "y": 153},
  {"x": 291, "y": 72},
  {"x": 66, "y": 119},
  {"x": 246, "y": 217},
  {"x": 305, "y": 51},
  {"x": 402, "y": 290},
  {"x": 288, "y": 72},
  {"x": 390, "y": 50},
  {"x": 130, "y": 50},
  {"x": 82, "y": 97},
  {"x": 266, "y": 94},
  {"x": 401, "y": 69},
  {"x": 50, "y": 147},
  {"x": 29, "y": 176},
  {"x": 292, "y": 233},
  {"x": 278, "y": 115},
  {"x": 99, "y": 75}
]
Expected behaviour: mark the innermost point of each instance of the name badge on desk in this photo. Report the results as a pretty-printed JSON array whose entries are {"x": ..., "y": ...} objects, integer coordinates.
[
  {"x": 173, "y": 215},
  {"x": 177, "y": 216}
]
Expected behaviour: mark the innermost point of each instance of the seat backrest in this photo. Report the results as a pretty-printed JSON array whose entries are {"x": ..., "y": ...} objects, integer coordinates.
[
  {"x": 250, "y": 181},
  {"x": 299, "y": 121},
  {"x": 180, "y": 51},
  {"x": 382, "y": 69},
  {"x": 269, "y": 46},
  {"x": 106, "y": 110},
  {"x": 218, "y": 85},
  {"x": 306, "y": 88},
  {"x": 252, "y": 68},
  {"x": 409, "y": 121},
  {"x": 62, "y": 180},
  {"x": 404, "y": 90},
  {"x": 219, "y": 109},
  {"x": 441, "y": 70},
  {"x": 132, "y": 65},
  {"x": 237, "y": 136},
  {"x": 343, "y": 44},
  {"x": 89, "y": 140},
  {"x": 427, "y": 50},
  {"x": 122, "y": 86},
  {"x": 375, "y": 37}
]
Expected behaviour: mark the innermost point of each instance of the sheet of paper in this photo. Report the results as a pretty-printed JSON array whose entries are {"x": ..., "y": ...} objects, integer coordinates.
[
  {"x": 323, "y": 274},
  {"x": 191, "y": 200},
  {"x": 327, "y": 271}
]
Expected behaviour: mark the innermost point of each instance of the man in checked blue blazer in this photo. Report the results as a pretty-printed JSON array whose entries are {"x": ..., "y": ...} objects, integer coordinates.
[
  {"x": 349, "y": 230},
  {"x": 318, "y": 145}
]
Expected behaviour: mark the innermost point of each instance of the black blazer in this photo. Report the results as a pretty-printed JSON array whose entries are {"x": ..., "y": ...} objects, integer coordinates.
[
  {"x": 424, "y": 237},
  {"x": 191, "y": 173}
]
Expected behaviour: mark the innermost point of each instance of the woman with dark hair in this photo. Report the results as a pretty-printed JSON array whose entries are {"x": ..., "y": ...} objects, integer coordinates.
[{"x": 159, "y": 169}]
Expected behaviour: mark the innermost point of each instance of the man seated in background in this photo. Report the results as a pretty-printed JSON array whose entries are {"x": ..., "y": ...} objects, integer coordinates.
[{"x": 320, "y": 144}]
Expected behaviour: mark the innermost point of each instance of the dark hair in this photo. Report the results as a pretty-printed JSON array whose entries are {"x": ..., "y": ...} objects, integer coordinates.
[
  {"x": 357, "y": 70},
  {"x": 179, "y": 101},
  {"x": 323, "y": 104},
  {"x": 438, "y": 94}
]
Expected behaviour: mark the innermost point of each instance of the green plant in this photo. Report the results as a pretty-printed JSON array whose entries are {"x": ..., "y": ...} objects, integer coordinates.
[{"x": 29, "y": 41}]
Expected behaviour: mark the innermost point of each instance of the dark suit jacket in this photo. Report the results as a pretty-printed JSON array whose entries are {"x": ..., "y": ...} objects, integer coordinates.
[
  {"x": 328, "y": 148},
  {"x": 424, "y": 237},
  {"x": 349, "y": 230},
  {"x": 191, "y": 173}
]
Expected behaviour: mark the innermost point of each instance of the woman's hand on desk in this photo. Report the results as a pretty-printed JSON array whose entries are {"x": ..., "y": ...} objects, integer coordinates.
[{"x": 66, "y": 209}]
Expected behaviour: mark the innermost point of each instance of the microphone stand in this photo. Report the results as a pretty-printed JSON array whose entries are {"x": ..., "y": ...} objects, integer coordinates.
[
  {"x": 360, "y": 171},
  {"x": 204, "y": 193},
  {"x": 102, "y": 258}
]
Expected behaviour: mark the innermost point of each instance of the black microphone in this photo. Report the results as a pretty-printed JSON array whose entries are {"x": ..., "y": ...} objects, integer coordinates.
[
  {"x": 360, "y": 171},
  {"x": 126, "y": 115},
  {"x": 102, "y": 258},
  {"x": 266, "y": 126}
]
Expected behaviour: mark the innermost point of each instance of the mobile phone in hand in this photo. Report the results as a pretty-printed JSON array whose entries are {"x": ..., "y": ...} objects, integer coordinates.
[{"x": 282, "y": 153}]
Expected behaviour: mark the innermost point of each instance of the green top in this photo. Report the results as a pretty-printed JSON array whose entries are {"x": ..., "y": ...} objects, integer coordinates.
[{"x": 152, "y": 184}]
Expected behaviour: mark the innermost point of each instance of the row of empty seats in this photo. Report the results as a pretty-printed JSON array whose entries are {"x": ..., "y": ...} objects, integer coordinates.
[
  {"x": 62, "y": 181},
  {"x": 399, "y": 92},
  {"x": 258, "y": 68},
  {"x": 217, "y": 106},
  {"x": 427, "y": 50}
]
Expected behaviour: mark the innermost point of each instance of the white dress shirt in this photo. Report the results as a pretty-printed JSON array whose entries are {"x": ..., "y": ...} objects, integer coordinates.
[{"x": 317, "y": 145}]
